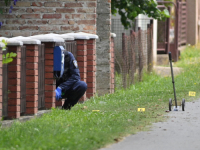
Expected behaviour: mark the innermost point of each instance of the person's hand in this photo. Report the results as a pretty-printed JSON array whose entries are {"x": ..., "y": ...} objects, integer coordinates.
[{"x": 58, "y": 93}]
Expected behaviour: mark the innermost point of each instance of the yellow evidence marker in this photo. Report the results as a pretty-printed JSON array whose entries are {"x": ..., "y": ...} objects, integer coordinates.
[
  {"x": 192, "y": 93},
  {"x": 141, "y": 109},
  {"x": 95, "y": 110}
]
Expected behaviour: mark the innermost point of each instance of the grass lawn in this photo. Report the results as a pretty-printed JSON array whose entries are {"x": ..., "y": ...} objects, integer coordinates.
[{"x": 85, "y": 129}]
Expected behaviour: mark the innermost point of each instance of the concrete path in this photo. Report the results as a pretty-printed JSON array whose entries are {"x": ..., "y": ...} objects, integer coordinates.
[
  {"x": 180, "y": 131},
  {"x": 166, "y": 71}
]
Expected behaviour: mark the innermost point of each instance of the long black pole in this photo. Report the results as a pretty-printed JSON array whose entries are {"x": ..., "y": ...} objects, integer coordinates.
[{"x": 170, "y": 60}]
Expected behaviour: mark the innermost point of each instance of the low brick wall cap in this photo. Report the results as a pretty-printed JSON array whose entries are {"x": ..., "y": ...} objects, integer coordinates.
[
  {"x": 78, "y": 36},
  {"x": 11, "y": 41},
  {"x": 14, "y": 42},
  {"x": 3, "y": 38},
  {"x": 91, "y": 36},
  {"x": 64, "y": 36},
  {"x": 27, "y": 40},
  {"x": 47, "y": 38}
]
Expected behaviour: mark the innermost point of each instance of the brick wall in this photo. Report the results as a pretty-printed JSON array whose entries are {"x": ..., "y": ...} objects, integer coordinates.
[
  {"x": 43, "y": 16},
  {"x": 27, "y": 72},
  {"x": 67, "y": 16}
]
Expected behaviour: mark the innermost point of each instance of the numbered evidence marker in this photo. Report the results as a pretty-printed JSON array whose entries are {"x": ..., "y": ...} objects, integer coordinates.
[
  {"x": 141, "y": 109},
  {"x": 95, "y": 110},
  {"x": 192, "y": 93}
]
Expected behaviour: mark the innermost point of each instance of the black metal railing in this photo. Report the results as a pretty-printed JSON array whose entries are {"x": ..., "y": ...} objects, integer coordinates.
[
  {"x": 71, "y": 47},
  {"x": 41, "y": 71},
  {"x": 23, "y": 80},
  {"x": 5, "y": 88}
]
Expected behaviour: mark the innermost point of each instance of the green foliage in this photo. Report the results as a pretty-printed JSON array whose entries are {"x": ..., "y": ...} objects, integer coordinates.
[
  {"x": 189, "y": 56},
  {"x": 9, "y": 56},
  {"x": 129, "y": 10},
  {"x": 5, "y": 43},
  {"x": 169, "y": 4}
]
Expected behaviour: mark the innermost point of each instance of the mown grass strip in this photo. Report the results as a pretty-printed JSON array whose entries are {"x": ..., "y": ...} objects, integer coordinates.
[{"x": 117, "y": 115}]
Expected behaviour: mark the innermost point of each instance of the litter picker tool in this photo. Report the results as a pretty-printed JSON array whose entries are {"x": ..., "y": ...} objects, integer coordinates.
[{"x": 174, "y": 103}]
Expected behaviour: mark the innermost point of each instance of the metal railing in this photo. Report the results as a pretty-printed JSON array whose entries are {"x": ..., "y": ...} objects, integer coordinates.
[
  {"x": 71, "y": 47},
  {"x": 23, "y": 80},
  {"x": 41, "y": 71},
  {"x": 5, "y": 88}
]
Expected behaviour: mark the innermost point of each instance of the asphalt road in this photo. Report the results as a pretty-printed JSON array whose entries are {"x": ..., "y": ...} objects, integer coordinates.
[{"x": 180, "y": 132}]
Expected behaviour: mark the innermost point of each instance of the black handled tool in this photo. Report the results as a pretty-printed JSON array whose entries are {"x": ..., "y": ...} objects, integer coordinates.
[{"x": 173, "y": 82}]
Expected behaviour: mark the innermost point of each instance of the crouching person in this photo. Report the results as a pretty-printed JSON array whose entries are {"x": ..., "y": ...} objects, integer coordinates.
[{"x": 69, "y": 86}]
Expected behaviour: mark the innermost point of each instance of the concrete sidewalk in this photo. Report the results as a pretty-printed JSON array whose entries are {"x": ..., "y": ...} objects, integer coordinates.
[
  {"x": 180, "y": 131},
  {"x": 166, "y": 71}
]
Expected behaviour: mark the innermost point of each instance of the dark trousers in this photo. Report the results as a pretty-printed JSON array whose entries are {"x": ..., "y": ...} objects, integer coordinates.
[{"x": 73, "y": 95}]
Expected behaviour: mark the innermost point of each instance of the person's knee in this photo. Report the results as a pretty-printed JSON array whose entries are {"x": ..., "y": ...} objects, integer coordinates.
[
  {"x": 80, "y": 86},
  {"x": 83, "y": 85}
]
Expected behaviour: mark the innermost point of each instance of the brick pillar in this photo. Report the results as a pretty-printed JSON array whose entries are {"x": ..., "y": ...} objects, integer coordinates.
[
  {"x": 112, "y": 65},
  {"x": 1, "y": 98},
  {"x": 82, "y": 61},
  {"x": 91, "y": 68},
  {"x": 31, "y": 79},
  {"x": 14, "y": 79},
  {"x": 50, "y": 82}
]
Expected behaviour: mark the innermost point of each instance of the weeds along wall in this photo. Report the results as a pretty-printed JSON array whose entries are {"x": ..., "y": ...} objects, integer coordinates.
[{"x": 44, "y": 16}]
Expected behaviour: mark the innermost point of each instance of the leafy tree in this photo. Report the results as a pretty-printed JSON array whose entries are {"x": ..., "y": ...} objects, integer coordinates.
[{"x": 130, "y": 9}]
